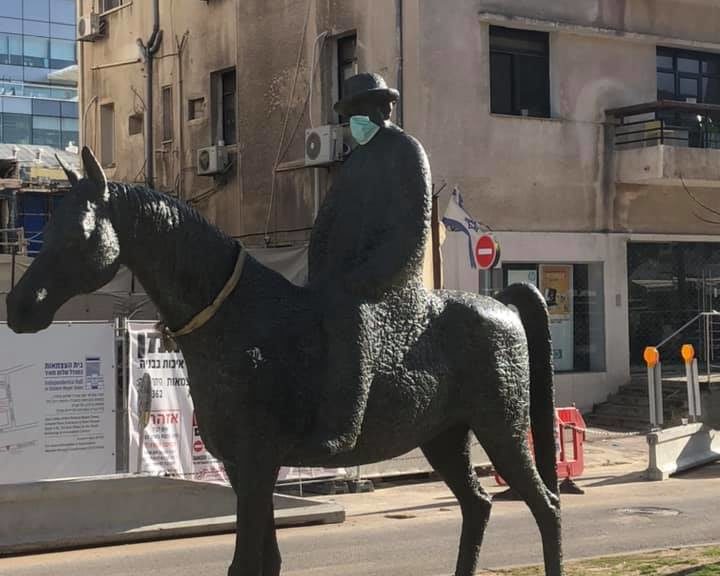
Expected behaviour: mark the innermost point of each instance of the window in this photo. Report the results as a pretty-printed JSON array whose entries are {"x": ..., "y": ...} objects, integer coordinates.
[
  {"x": 106, "y": 5},
  {"x": 519, "y": 72},
  {"x": 575, "y": 298},
  {"x": 135, "y": 124},
  {"x": 167, "y": 112},
  {"x": 36, "y": 52},
  {"x": 16, "y": 128},
  {"x": 36, "y": 10},
  {"x": 688, "y": 76},
  {"x": 196, "y": 108},
  {"x": 70, "y": 132},
  {"x": 11, "y": 49},
  {"x": 62, "y": 11},
  {"x": 347, "y": 60},
  {"x": 46, "y": 131},
  {"x": 107, "y": 135},
  {"x": 224, "y": 123},
  {"x": 11, "y": 8},
  {"x": 62, "y": 53}
]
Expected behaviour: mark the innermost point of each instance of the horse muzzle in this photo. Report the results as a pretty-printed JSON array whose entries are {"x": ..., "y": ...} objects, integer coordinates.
[{"x": 26, "y": 316}]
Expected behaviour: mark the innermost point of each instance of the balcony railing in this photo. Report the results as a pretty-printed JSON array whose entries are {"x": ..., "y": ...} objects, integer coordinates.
[{"x": 680, "y": 124}]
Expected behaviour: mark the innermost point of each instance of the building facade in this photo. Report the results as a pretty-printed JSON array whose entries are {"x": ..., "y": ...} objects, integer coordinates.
[
  {"x": 38, "y": 90},
  {"x": 545, "y": 114}
]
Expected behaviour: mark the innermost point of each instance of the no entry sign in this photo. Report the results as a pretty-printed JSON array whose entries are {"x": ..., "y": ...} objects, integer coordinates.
[{"x": 487, "y": 252}]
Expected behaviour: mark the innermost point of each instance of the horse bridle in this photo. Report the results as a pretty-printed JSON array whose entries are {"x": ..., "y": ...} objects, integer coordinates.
[{"x": 204, "y": 316}]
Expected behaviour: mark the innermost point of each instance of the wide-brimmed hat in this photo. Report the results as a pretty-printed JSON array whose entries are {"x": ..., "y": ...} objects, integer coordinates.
[{"x": 364, "y": 87}]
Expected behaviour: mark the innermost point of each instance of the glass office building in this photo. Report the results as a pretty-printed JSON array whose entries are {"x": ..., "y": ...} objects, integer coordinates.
[{"x": 38, "y": 103}]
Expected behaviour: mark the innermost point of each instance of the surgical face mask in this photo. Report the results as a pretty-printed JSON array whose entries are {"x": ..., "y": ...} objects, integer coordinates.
[{"x": 363, "y": 129}]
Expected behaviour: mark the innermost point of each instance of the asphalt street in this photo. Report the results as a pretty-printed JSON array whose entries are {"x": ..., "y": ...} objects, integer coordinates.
[{"x": 411, "y": 530}]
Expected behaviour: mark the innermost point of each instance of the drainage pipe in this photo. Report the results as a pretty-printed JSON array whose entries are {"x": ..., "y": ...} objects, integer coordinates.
[
  {"x": 148, "y": 51},
  {"x": 400, "y": 60}
]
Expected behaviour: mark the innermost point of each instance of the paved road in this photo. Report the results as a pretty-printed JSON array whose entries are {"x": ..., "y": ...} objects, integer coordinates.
[{"x": 420, "y": 537}]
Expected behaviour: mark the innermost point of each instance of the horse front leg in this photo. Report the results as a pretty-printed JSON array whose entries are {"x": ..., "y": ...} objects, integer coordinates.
[{"x": 256, "y": 551}]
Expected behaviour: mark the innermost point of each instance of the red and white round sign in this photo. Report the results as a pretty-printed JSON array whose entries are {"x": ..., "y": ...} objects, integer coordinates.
[{"x": 487, "y": 252}]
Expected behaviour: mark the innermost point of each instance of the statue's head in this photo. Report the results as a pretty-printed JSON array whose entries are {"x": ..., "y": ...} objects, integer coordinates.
[
  {"x": 367, "y": 95},
  {"x": 80, "y": 252}
]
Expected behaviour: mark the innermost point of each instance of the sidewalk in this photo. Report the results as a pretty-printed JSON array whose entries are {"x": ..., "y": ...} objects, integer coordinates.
[{"x": 608, "y": 456}]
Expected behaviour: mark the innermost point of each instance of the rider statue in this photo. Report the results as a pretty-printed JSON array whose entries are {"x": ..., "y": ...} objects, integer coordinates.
[{"x": 366, "y": 253}]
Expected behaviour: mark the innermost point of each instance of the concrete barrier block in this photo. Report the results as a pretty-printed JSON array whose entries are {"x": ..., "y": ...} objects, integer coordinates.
[
  {"x": 681, "y": 448},
  {"x": 107, "y": 510}
]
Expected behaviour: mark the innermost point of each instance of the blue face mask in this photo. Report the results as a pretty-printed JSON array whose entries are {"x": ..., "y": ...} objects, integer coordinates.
[{"x": 363, "y": 129}]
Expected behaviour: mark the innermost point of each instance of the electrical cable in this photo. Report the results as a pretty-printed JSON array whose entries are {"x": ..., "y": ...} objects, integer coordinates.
[{"x": 301, "y": 50}]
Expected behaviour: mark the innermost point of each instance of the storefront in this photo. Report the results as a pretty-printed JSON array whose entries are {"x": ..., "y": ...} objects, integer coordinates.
[
  {"x": 670, "y": 283},
  {"x": 583, "y": 278}
]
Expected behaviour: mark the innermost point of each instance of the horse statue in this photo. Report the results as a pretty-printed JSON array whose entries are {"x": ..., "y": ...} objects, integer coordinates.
[{"x": 254, "y": 350}]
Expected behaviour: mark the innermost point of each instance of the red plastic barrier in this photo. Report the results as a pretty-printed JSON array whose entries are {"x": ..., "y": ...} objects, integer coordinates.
[{"x": 570, "y": 464}]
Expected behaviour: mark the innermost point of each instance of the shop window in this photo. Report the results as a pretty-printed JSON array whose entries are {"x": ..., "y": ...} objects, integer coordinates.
[
  {"x": 107, "y": 135},
  {"x": 519, "y": 72},
  {"x": 576, "y": 303}
]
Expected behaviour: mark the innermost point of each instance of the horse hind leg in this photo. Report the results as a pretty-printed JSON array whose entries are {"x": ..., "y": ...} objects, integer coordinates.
[
  {"x": 508, "y": 450},
  {"x": 449, "y": 455}
]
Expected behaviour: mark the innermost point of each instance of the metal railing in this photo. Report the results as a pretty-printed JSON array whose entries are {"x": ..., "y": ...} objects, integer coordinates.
[
  {"x": 13, "y": 241},
  {"x": 682, "y": 124},
  {"x": 708, "y": 345}
]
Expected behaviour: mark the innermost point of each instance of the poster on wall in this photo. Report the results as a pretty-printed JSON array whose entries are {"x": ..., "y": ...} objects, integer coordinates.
[
  {"x": 57, "y": 402},
  {"x": 556, "y": 284},
  {"x": 164, "y": 437}
]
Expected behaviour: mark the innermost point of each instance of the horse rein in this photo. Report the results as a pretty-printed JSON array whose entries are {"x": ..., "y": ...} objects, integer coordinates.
[{"x": 205, "y": 315}]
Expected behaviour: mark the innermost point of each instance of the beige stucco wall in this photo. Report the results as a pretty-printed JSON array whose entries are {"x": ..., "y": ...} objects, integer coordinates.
[{"x": 520, "y": 173}]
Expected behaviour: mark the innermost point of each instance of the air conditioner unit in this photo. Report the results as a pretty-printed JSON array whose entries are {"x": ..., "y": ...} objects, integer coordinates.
[
  {"x": 89, "y": 28},
  {"x": 323, "y": 145},
  {"x": 211, "y": 160}
]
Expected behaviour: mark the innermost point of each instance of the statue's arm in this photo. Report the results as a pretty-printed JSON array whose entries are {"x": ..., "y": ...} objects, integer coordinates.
[
  {"x": 404, "y": 207},
  {"x": 318, "y": 250}
]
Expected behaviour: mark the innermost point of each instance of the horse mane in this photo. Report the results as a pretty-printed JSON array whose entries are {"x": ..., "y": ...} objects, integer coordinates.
[{"x": 144, "y": 201}]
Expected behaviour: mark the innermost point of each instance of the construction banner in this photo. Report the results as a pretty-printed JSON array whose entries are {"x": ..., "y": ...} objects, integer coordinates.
[
  {"x": 57, "y": 402},
  {"x": 162, "y": 419}
]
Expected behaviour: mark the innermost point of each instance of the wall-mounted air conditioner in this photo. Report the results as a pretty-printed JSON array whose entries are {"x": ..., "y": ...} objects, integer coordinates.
[
  {"x": 212, "y": 160},
  {"x": 323, "y": 145},
  {"x": 89, "y": 28}
]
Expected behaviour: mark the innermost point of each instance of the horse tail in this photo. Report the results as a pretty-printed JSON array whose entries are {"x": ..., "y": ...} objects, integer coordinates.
[{"x": 534, "y": 316}]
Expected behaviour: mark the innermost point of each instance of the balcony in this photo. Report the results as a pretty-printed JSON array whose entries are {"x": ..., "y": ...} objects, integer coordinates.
[{"x": 666, "y": 143}]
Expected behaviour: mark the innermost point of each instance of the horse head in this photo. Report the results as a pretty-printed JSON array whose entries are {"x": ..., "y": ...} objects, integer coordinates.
[{"x": 80, "y": 252}]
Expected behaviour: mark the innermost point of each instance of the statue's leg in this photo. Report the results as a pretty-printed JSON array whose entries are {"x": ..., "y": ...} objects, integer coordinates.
[
  {"x": 508, "y": 450},
  {"x": 253, "y": 482},
  {"x": 342, "y": 407},
  {"x": 271, "y": 553},
  {"x": 449, "y": 455}
]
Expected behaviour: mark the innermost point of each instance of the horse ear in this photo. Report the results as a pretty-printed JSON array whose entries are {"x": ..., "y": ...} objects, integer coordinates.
[
  {"x": 72, "y": 176},
  {"x": 93, "y": 169}
]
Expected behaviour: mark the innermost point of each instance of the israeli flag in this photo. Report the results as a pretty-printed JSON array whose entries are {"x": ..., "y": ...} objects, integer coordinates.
[{"x": 456, "y": 219}]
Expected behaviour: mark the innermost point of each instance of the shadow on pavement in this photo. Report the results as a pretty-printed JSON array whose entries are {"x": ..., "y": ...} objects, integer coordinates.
[
  {"x": 706, "y": 569},
  {"x": 706, "y": 472},
  {"x": 631, "y": 478}
]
